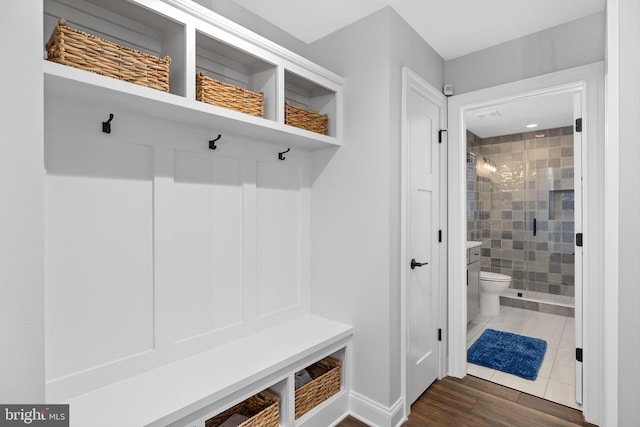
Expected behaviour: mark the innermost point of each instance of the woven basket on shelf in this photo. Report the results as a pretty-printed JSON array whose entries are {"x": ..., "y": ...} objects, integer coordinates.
[
  {"x": 325, "y": 383},
  {"x": 78, "y": 49},
  {"x": 305, "y": 119},
  {"x": 228, "y": 96},
  {"x": 262, "y": 410}
]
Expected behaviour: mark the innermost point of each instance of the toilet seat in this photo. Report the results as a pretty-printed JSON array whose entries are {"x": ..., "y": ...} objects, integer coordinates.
[{"x": 494, "y": 277}]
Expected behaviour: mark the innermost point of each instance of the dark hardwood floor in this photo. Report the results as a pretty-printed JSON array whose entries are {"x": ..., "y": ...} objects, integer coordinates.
[
  {"x": 475, "y": 402},
  {"x": 351, "y": 422}
]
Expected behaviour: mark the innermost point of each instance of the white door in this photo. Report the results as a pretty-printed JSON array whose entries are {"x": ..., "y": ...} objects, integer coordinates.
[{"x": 423, "y": 117}]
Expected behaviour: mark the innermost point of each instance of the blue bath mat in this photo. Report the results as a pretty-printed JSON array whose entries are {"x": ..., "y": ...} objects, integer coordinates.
[{"x": 511, "y": 353}]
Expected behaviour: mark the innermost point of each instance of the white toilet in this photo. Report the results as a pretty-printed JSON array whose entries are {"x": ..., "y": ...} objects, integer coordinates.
[{"x": 491, "y": 286}]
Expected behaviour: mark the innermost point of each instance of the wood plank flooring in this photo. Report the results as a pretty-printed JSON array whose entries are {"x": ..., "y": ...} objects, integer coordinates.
[{"x": 476, "y": 402}]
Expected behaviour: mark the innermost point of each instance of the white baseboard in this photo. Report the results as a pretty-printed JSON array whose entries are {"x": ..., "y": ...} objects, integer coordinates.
[{"x": 373, "y": 413}]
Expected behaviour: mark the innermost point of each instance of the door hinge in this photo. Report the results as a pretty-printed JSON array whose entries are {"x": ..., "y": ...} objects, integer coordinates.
[
  {"x": 579, "y": 125},
  {"x": 439, "y": 236},
  {"x": 439, "y": 334},
  {"x": 579, "y": 354},
  {"x": 440, "y": 135},
  {"x": 579, "y": 239}
]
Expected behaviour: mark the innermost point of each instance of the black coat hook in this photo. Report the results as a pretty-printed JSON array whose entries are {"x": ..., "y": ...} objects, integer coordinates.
[
  {"x": 106, "y": 126},
  {"x": 212, "y": 143},
  {"x": 281, "y": 155}
]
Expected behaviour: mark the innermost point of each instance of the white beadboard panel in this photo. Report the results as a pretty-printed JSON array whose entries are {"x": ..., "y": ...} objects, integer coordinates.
[
  {"x": 278, "y": 208},
  {"x": 99, "y": 252},
  {"x": 208, "y": 232}
]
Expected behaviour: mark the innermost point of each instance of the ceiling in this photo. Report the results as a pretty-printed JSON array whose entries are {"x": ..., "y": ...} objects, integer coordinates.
[
  {"x": 548, "y": 112},
  {"x": 452, "y": 27}
]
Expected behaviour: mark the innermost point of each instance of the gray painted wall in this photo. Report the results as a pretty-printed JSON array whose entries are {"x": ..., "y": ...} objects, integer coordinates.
[
  {"x": 575, "y": 43},
  {"x": 629, "y": 206},
  {"x": 356, "y": 194},
  {"x": 22, "y": 211},
  {"x": 349, "y": 200},
  {"x": 350, "y": 203}
]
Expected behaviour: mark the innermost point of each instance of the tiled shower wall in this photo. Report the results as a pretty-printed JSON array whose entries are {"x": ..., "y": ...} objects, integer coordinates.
[
  {"x": 533, "y": 179},
  {"x": 474, "y": 228}
]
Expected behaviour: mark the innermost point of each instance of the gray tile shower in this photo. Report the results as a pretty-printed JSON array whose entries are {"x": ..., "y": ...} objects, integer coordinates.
[{"x": 512, "y": 180}]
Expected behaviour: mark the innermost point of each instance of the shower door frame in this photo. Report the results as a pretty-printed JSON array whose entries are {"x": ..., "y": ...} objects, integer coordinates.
[{"x": 587, "y": 80}]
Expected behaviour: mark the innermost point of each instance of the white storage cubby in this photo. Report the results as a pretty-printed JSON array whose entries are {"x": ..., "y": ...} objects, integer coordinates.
[
  {"x": 339, "y": 355},
  {"x": 284, "y": 388},
  {"x": 197, "y": 39},
  {"x": 127, "y": 24},
  {"x": 229, "y": 65},
  {"x": 304, "y": 93}
]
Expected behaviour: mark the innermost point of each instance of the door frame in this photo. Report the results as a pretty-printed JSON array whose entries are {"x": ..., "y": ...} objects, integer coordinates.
[
  {"x": 589, "y": 81},
  {"x": 411, "y": 81}
]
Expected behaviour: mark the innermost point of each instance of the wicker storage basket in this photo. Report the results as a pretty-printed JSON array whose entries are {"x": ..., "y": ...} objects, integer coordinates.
[
  {"x": 229, "y": 96},
  {"x": 78, "y": 49},
  {"x": 304, "y": 119},
  {"x": 262, "y": 410},
  {"x": 325, "y": 383}
]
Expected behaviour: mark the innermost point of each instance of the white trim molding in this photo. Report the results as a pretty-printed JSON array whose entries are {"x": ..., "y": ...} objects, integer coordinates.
[
  {"x": 219, "y": 21},
  {"x": 373, "y": 413},
  {"x": 412, "y": 81},
  {"x": 611, "y": 202},
  {"x": 587, "y": 80}
]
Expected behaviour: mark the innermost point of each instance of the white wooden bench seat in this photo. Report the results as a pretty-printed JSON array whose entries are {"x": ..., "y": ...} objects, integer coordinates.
[{"x": 213, "y": 378}]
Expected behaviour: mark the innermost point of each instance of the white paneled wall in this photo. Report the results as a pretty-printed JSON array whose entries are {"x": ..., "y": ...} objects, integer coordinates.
[
  {"x": 208, "y": 243},
  {"x": 99, "y": 253},
  {"x": 279, "y": 227},
  {"x": 158, "y": 248}
]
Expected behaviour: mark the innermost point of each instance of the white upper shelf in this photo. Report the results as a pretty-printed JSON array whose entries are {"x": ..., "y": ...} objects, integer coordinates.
[
  {"x": 64, "y": 81},
  {"x": 169, "y": 27}
]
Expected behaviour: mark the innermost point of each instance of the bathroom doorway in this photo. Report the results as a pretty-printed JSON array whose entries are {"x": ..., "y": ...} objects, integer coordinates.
[
  {"x": 586, "y": 157},
  {"x": 522, "y": 183}
]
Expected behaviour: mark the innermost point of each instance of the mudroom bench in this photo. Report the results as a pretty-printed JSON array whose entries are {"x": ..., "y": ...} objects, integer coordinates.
[{"x": 192, "y": 390}]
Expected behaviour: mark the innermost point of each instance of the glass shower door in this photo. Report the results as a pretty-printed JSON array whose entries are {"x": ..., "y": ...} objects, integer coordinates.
[{"x": 549, "y": 216}]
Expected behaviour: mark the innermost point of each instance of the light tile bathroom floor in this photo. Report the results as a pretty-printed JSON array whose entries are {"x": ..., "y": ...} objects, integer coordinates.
[{"x": 556, "y": 378}]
